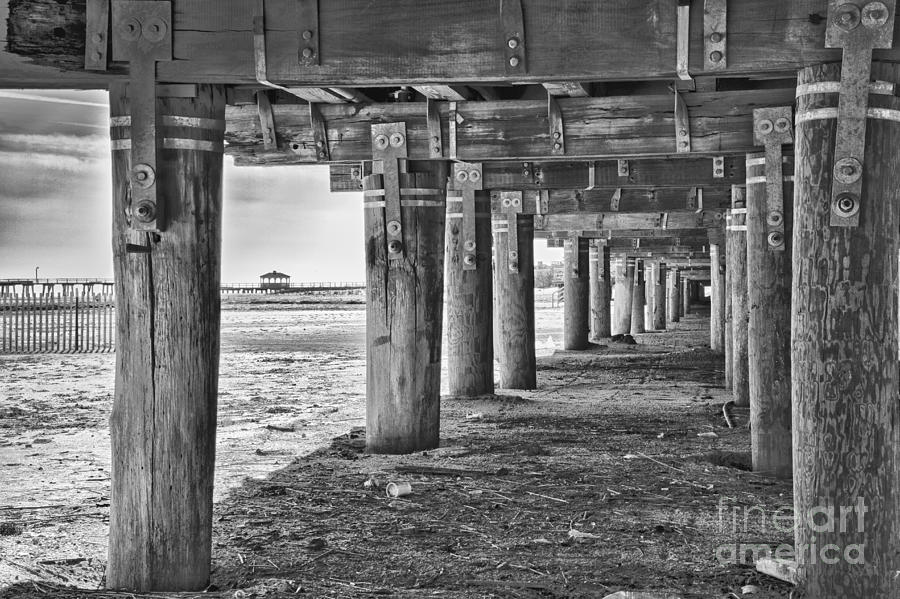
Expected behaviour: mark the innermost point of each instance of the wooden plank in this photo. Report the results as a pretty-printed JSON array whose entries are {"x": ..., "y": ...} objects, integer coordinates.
[
  {"x": 624, "y": 201},
  {"x": 438, "y": 42},
  {"x": 452, "y": 93},
  {"x": 614, "y": 220},
  {"x": 567, "y": 89},
  {"x": 611, "y": 127},
  {"x": 687, "y": 171}
]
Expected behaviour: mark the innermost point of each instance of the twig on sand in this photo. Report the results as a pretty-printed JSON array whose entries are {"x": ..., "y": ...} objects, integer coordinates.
[
  {"x": 725, "y": 413},
  {"x": 547, "y": 497}
]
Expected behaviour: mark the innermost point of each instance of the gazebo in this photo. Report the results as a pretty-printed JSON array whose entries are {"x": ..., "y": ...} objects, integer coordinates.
[{"x": 274, "y": 280}]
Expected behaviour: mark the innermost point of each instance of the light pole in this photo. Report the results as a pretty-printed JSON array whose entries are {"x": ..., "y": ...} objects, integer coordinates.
[{"x": 35, "y": 273}]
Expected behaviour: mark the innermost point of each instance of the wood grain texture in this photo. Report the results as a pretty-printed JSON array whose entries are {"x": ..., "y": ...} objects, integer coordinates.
[
  {"x": 736, "y": 256},
  {"x": 638, "y": 299},
  {"x": 469, "y": 299},
  {"x": 514, "y": 318},
  {"x": 769, "y": 332},
  {"x": 673, "y": 295},
  {"x": 659, "y": 296},
  {"x": 717, "y": 300},
  {"x": 643, "y": 174},
  {"x": 162, "y": 426},
  {"x": 623, "y": 287},
  {"x": 611, "y": 127},
  {"x": 436, "y": 42},
  {"x": 844, "y": 350},
  {"x": 614, "y": 220},
  {"x": 601, "y": 293},
  {"x": 404, "y": 314},
  {"x": 729, "y": 327},
  {"x": 685, "y": 306},
  {"x": 576, "y": 308}
]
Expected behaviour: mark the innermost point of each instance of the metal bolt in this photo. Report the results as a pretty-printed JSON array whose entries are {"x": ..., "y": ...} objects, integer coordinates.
[
  {"x": 846, "y": 205},
  {"x": 874, "y": 14},
  {"x": 462, "y": 176},
  {"x": 775, "y": 218},
  {"x": 557, "y": 146},
  {"x": 716, "y": 56},
  {"x": 469, "y": 260},
  {"x": 435, "y": 139},
  {"x": 513, "y": 43},
  {"x": 782, "y": 124},
  {"x": 557, "y": 135},
  {"x": 513, "y": 255},
  {"x": 145, "y": 212},
  {"x": 397, "y": 140},
  {"x": 474, "y": 176},
  {"x": 395, "y": 247},
  {"x": 355, "y": 173},
  {"x": 307, "y": 35},
  {"x": 775, "y": 239},
  {"x": 514, "y": 61},
  {"x": 97, "y": 38},
  {"x": 394, "y": 228},
  {"x": 719, "y": 171},
  {"x": 765, "y": 126},
  {"x": 381, "y": 142},
  {"x": 506, "y": 202},
  {"x": 682, "y": 132},
  {"x": 469, "y": 246},
  {"x": 436, "y": 149},
  {"x": 516, "y": 202},
  {"x": 307, "y": 53},
  {"x": 684, "y": 144},
  {"x": 716, "y": 37},
  {"x": 140, "y": 175},
  {"x": 848, "y": 16}
]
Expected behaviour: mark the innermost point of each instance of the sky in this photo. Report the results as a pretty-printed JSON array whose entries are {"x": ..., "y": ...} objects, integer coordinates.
[{"x": 55, "y": 202}]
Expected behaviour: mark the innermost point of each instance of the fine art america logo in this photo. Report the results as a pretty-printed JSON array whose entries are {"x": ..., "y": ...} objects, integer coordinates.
[{"x": 739, "y": 520}]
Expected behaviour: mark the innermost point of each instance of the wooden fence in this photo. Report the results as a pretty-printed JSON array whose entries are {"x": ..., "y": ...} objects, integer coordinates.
[{"x": 57, "y": 323}]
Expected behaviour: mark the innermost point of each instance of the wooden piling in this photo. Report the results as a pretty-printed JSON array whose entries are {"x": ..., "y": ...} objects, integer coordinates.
[
  {"x": 514, "y": 293},
  {"x": 685, "y": 307},
  {"x": 717, "y": 299},
  {"x": 673, "y": 299},
  {"x": 404, "y": 314},
  {"x": 638, "y": 299},
  {"x": 469, "y": 327},
  {"x": 576, "y": 308},
  {"x": 844, "y": 353},
  {"x": 162, "y": 426},
  {"x": 729, "y": 332},
  {"x": 736, "y": 254},
  {"x": 623, "y": 289},
  {"x": 659, "y": 296},
  {"x": 601, "y": 289},
  {"x": 769, "y": 326}
]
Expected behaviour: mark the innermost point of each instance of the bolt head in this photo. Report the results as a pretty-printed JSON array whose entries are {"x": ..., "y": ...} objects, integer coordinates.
[
  {"x": 393, "y": 227},
  {"x": 557, "y": 146},
  {"x": 514, "y": 61},
  {"x": 307, "y": 35},
  {"x": 775, "y": 239},
  {"x": 513, "y": 43},
  {"x": 847, "y": 17},
  {"x": 474, "y": 176},
  {"x": 462, "y": 176},
  {"x": 381, "y": 142},
  {"x": 355, "y": 173},
  {"x": 716, "y": 56},
  {"x": 846, "y": 205},
  {"x": 469, "y": 246},
  {"x": 716, "y": 37},
  {"x": 782, "y": 124},
  {"x": 307, "y": 53},
  {"x": 469, "y": 260},
  {"x": 397, "y": 140},
  {"x": 395, "y": 247},
  {"x": 775, "y": 218},
  {"x": 874, "y": 14},
  {"x": 145, "y": 212},
  {"x": 765, "y": 126}
]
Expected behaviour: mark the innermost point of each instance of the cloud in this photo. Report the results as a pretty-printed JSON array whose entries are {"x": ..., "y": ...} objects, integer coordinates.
[{"x": 51, "y": 97}]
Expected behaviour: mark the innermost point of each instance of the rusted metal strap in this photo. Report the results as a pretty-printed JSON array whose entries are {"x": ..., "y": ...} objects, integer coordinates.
[
  {"x": 96, "y": 41},
  {"x": 389, "y": 152},
  {"x": 320, "y": 133},
  {"x": 715, "y": 17},
  {"x": 511, "y": 206},
  {"x": 467, "y": 179},
  {"x": 683, "y": 41},
  {"x": 858, "y": 31},
  {"x": 512, "y": 28},
  {"x": 435, "y": 137},
  {"x": 557, "y": 128},
  {"x": 682, "y": 125},
  {"x": 142, "y": 35},
  {"x": 772, "y": 128}
]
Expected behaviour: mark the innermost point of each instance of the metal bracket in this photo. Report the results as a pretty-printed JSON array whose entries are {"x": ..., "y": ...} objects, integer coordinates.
[
  {"x": 467, "y": 179},
  {"x": 266, "y": 121},
  {"x": 718, "y": 167},
  {"x": 309, "y": 38},
  {"x": 455, "y": 119},
  {"x": 435, "y": 137},
  {"x": 772, "y": 128},
  {"x": 511, "y": 205},
  {"x": 615, "y": 199},
  {"x": 320, "y": 133},
  {"x": 682, "y": 125},
  {"x": 623, "y": 168},
  {"x": 592, "y": 176},
  {"x": 96, "y": 40},
  {"x": 512, "y": 27},
  {"x": 389, "y": 152},
  {"x": 856, "y": 30},
  {"x": 683, "y": 41},
  {"x": 715, "y": 13},
  {"x": 142, "y": 36},
  {"x": 557, "y": 128},
  {"x": 542, "y": 202}
]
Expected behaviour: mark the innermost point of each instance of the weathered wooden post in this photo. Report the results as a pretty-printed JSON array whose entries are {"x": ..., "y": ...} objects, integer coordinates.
[
  {"x": 844, "y": 317},
  {"x": 685, "y": 307},
  {"x": 624, "y": 286},
  {"x": 659, "y": 296},
  {"x": 638, "y": 299},
  {"x": 736, "y": 255},
  {"x": 576, "y": 309},
  {"x": 469, "y": 327},
  {"x": 672, "y": 295},
  {"x": 729, "y": 332},
  {"x": 717, "y": 299},
  {"x": 405, "y": 216},
  {"x": 769, "y": 225},
  {"x": 600, "y": 291},
  {"x": 514, "y": 291},
  {"x": 167, "y": 231}
]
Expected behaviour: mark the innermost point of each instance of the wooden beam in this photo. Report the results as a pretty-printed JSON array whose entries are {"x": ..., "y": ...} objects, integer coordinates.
[
  {"x": 611, "y": 127},
  {"x": 614, "y": 220},
  {"x": 646, "y": 173},
  {"x": 438, "y": 42},
  {"x": 452, "y": 93}
]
